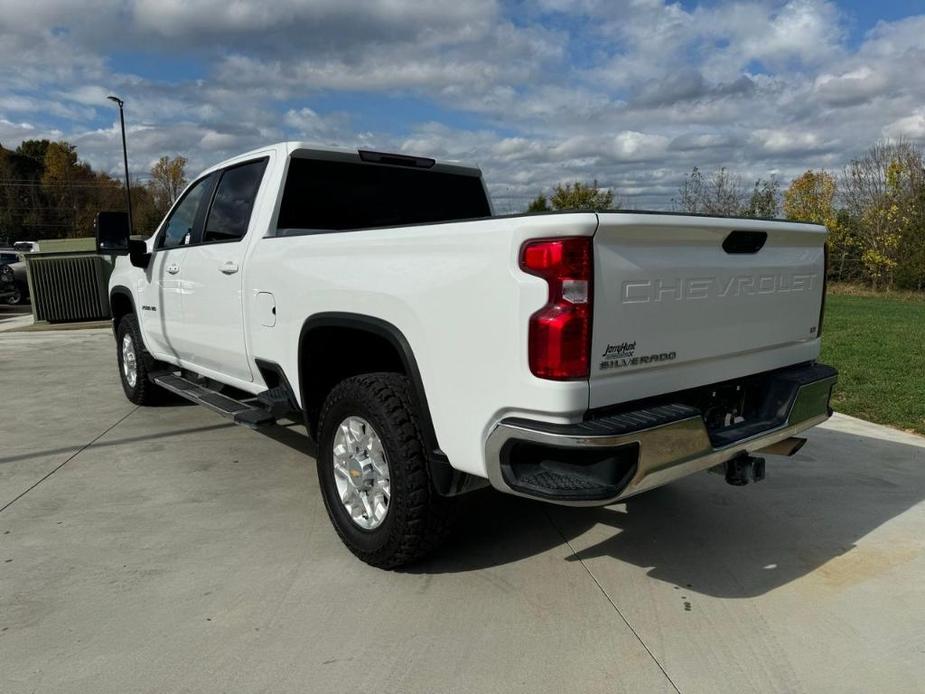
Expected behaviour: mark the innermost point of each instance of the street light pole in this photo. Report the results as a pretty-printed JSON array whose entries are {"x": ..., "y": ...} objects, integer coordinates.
[{"x": 128, "y": 190}]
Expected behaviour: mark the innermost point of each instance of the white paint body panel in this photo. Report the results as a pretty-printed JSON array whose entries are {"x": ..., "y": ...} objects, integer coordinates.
[
  {"x": 213, "y": 300},
  {"x": 455, "y": 292},
  {"x": 156, "y": 288}
]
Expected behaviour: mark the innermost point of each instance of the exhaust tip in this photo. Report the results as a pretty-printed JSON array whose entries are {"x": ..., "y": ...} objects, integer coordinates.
[{"x": 787, "y": 447}]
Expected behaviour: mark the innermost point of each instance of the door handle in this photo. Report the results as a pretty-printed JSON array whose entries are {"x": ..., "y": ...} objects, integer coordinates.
[
  {"x": 229, "y": 267},
  {"x": 173, "y": 268}
]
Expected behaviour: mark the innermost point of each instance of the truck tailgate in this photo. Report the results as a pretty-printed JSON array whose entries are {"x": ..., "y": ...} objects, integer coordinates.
[{"x": 674, "y": 309}]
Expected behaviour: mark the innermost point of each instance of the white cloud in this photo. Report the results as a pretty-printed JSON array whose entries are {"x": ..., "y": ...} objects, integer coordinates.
[
  {"x": 805, "y": 31},
  {"x": 88, "y": 95},
  {"x": 910, "y": 127},
  {"x": 213, "y": 141},
  {"x": 781, "y": 141},
  {"x": 700, "y": 141},
  {"x": 901, "y": 39},
  {"x": 21, "y": 129},
  {"x": 635, "y": 146},
  {"x": 852, "y": 87},
  {"x": 219, "y": 17},
  {"x": 633, "y": 93}
]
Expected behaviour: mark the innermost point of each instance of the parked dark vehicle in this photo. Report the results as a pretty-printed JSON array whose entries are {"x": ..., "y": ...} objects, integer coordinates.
[{"x": 14, "y": 288}]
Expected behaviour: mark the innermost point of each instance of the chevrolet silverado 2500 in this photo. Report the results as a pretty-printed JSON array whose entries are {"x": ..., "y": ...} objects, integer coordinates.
[{"x": 431, "y": 347}]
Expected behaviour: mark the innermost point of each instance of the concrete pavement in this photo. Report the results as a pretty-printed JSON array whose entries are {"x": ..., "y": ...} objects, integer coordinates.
[
  {"x": 165, "y": 550},
  {"x": 15, "y": 317}
]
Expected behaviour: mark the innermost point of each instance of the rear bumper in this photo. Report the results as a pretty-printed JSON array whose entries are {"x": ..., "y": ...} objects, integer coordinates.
[{"x": 604, "y": 459}]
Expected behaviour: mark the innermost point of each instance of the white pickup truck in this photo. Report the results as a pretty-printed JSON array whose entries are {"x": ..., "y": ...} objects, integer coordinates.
[{"x": 431, "y": 347}]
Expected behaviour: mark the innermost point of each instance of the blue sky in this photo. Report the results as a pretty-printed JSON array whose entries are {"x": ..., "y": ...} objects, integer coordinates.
[
  {"x": 863, "y": 14},
  {"x": 632, "y": 93}
]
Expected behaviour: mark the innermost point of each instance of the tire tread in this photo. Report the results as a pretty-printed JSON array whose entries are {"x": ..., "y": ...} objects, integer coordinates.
[
  {"x": 145, "y": 392},
  {"x": 424, "y": 517}
]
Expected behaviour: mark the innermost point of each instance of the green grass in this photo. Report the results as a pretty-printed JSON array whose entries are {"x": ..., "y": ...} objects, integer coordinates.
[{"x": 877, "y": 343}]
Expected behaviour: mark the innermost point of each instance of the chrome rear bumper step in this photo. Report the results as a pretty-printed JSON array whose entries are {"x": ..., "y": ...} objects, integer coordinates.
[{"x": 611, "y": 457}]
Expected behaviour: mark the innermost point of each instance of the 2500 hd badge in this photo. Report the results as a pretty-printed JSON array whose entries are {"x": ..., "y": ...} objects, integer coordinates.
[{"x": 621, "y": 355}]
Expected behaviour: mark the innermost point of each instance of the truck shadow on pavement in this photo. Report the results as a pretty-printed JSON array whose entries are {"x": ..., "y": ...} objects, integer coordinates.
[
  {"x": 705, "y": 536},
  {"x": 8, "y": 310}
]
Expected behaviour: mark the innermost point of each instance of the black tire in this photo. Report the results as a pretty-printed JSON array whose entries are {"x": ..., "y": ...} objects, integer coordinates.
[
  {"x": 24, "y": 293},
  {"x": 418, "y": 519},
  {"x": 144, "y": 391},
  {"x": 19, "y": 297}
]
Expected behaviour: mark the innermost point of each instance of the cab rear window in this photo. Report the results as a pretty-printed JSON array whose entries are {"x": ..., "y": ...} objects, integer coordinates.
[{"x": 333, "y": 196}]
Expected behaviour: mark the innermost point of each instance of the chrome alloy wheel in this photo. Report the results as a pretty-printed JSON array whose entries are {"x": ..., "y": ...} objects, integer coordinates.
[
  {"x": 129, "y": 363},
  {"x": 361, "y": 472}
]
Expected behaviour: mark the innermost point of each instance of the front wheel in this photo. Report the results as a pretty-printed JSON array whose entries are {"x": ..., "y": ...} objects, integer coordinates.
[
  {"x": 373, "y": 473},
  {"x": 18, "y": 296},
  {"x": 135, "y": 364}
]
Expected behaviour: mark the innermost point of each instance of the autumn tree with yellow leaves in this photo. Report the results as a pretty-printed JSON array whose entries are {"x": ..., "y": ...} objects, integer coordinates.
[
  {"x": 881, "y": 193},
  {"x": 875, "y": 214},
  {"x": 812, "y": 197}
]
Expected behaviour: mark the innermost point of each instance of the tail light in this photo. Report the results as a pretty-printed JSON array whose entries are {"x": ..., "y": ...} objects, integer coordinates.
[{"x": 560, "y": 332}]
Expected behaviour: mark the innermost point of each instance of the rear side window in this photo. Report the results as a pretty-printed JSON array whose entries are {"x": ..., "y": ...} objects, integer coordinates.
[
  {"x": 233, "y": 202},
  {"x": 333, "y": 195}
]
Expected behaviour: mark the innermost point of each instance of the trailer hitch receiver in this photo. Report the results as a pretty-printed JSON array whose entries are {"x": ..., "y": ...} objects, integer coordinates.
[{"x": 744, "y": 468}]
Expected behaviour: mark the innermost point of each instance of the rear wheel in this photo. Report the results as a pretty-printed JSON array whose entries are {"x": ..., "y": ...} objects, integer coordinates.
[
  {"x": 18, "y": 296},
  {"x": 373, "y": 473},
  {"x": 135, "y": 364}
]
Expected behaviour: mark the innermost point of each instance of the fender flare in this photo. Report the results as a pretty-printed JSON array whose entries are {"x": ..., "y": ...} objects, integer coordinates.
[
  {"x": 393, "y": 336},
  {"x": 447, "y": 480},
  {"x": 122, "y": 291}
]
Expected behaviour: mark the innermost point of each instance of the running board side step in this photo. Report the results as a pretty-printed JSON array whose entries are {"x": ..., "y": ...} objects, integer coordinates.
[{"x": 241, "y": 412}]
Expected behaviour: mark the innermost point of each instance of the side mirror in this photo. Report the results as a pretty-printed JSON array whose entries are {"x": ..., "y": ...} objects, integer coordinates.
[
  {"x": 138, "y": 253},
  {"x": 112, "y": 233}
]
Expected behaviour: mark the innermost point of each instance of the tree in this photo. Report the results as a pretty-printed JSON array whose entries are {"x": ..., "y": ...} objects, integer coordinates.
[
  {"x": 23, "y": 202},
  {"x": 581, "y": 196},
  {"x": 880, "y": 191},
  {"x": 690, "y": 193},
  {"x": 765, "y": 199},
  {"x": 539, "y": 204},
  {"x": 61, "y": 165},
  {"x": 34, "y": 149},
  {"x": 47, "y": 192},
  {"x": 720, "y": 195},
  {"x": 168, "y": 179},
  {"x": 910, "y": 274},
  {"x": 811, "y": 198},
  {"x": 145, "y": 213},
  {"x": 63, "y": 180}
]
